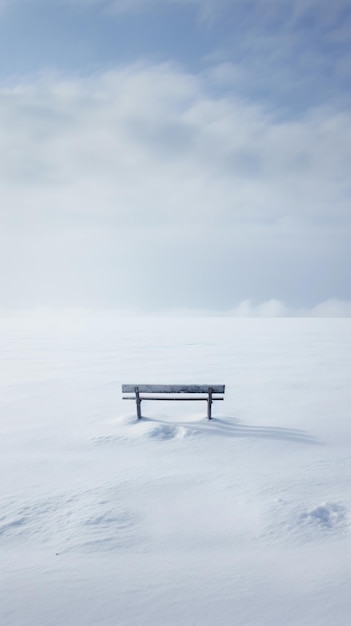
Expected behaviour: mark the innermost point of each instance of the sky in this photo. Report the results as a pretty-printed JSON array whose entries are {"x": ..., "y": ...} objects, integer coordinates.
[{"x": 176, "y": 155}]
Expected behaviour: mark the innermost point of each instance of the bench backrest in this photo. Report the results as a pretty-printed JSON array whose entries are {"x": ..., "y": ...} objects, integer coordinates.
[{"x": 173, "y": 388}]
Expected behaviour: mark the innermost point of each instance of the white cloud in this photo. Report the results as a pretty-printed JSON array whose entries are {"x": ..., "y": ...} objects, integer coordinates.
[
  {"x": 245, "y": 309},
  {"x": 276, "y": 308},
  {"x": 163, "y": 128},
  {"x": 332, "y": 308},
  {"x": 145, "y": 172},
  {"x": 270, "y": 308}
]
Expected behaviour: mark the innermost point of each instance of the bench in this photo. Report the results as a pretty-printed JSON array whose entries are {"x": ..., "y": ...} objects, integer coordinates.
[{"x": 208, "y": 393}]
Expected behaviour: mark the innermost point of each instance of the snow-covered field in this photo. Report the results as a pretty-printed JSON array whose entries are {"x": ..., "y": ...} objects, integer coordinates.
[{"x": 174, "y": 520}]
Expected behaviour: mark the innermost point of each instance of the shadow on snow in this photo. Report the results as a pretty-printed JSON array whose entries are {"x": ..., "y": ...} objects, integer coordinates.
[
  {"x": 233, "y": 427},
  {"x": 230, "y": 427}
]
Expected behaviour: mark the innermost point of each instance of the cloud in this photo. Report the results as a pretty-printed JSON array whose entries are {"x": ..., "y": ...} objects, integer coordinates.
[
  {"x": 289, "y": 55},
  {"x": 245, "y": 309},
  {"x": 164, "y": 128},
  {"x": 332, "y": 308},
  {"x": 270, "y": 308},
  {"x": 144, "y": 188},
  {"x": 276, "y": 308}
]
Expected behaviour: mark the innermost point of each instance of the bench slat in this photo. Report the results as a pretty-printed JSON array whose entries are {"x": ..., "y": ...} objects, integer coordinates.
[
  {"x": 173, "y": 389},
  {"x": 166, "y": 399}
]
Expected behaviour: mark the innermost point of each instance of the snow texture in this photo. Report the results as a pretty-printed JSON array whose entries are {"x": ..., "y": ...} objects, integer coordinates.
[{"x": 110, "y": 521}]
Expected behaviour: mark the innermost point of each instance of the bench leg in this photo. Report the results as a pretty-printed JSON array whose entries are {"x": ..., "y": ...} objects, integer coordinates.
[
  {"x": 138, "y": 403},
  {"x": 209, "y": 405}
]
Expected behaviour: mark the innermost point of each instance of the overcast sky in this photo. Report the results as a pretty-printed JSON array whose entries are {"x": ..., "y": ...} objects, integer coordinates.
[{"x": 161, "y": 155}]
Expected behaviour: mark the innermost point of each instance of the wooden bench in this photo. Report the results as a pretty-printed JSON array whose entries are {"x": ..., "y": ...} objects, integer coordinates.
[{"x": 208, "y": 393}]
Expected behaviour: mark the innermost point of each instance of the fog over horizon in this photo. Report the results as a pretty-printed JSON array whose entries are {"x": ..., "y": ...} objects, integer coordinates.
[
  {"x": 245, "y": 309},
  {"x": 175, "y": 157}
]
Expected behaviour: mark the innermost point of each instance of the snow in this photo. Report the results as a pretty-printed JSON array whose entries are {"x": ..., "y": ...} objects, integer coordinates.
[{"x": 172, "y": 520}]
